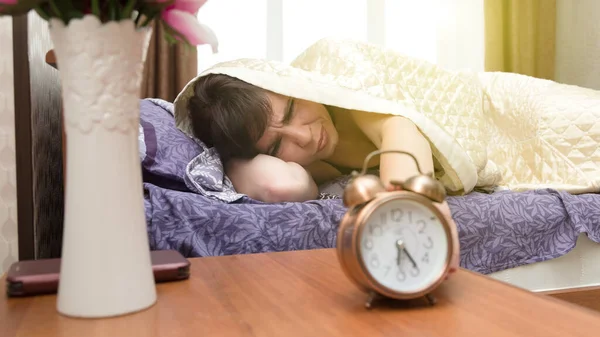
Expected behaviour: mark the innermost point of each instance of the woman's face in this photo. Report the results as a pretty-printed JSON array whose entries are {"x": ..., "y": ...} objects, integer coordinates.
[{"x": 300, "y": 131}]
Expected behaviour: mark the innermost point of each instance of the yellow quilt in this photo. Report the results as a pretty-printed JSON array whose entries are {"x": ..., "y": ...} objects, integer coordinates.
[{"x": 487, "y": 130}]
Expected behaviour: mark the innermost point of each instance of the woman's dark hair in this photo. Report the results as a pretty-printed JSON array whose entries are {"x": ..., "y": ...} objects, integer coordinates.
[{"x": 229, "y": 114}]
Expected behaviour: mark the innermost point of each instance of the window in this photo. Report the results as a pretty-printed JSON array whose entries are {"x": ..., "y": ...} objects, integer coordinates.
[{"x": 447, "y": 32}]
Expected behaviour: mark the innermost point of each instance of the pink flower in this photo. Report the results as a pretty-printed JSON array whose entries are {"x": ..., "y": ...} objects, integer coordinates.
[
  {"x": 17, "y": 7},
  {"x": 190, "y": 6},
  {"x": 180, "y": 15},
  {"x": 186, "y": 24}
]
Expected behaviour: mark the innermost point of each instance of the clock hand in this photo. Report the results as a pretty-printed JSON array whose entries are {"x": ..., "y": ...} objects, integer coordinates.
[
  {"x": 400, "y": 246},
  {"x": 410, "y": 257}
]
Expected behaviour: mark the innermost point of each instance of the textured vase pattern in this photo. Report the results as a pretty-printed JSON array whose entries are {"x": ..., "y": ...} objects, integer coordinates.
[
  {"x": 104, "y": 70},
  {"x": 106, "y": 268}
]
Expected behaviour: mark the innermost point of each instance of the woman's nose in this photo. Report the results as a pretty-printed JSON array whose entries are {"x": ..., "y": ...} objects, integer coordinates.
[{"x": 300, "y": 135}]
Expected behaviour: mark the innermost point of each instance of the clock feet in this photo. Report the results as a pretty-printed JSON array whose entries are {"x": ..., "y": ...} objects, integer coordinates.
[
  {"x": 372, "y": 298},
  {"x": 430, "y": 299}
]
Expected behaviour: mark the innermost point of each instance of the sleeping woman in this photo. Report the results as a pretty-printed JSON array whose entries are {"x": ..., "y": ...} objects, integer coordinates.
[{"x": 277, "y": 148}]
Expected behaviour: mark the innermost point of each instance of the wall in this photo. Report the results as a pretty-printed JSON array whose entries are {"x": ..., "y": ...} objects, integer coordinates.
[
  {"x": 8, "y": 194},
  {"x": 578, "y": 42}
]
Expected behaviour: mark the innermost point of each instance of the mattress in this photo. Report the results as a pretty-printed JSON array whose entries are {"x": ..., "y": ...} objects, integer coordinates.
[{"x": 578, "y": 268}]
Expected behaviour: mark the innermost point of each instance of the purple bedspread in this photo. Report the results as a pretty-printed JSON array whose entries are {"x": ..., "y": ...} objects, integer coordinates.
[{"x": 497, "y": 231}]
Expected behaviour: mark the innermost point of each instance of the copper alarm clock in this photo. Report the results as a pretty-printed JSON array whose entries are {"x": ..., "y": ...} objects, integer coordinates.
[{"x": 395, "y": 244}]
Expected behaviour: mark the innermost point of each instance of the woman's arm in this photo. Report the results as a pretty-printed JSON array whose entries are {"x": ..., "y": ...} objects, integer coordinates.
[
  {"x": 400, "y": 133},
  {"x": 270, "y": 179},
  {"x": 322, "y": 172},
  {"x": 390, "y": 132}
]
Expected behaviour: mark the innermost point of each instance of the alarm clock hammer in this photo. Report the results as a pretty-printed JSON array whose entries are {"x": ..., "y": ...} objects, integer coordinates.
[{"x": 395, "y": 244}]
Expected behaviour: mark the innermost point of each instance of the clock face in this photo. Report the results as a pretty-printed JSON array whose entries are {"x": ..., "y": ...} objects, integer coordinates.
[{"x": 404, "y": 246}]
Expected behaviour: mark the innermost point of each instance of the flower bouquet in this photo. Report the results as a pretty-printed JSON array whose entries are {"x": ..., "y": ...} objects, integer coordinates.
[{"x": 100, "y": 48}]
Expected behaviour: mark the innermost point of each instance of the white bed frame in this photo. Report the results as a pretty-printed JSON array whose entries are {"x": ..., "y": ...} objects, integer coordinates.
[{"x": 573, "y": 277}]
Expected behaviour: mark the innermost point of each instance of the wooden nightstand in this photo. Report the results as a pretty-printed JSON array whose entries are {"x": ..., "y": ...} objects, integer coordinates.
[{"x": 305, "y": 293}]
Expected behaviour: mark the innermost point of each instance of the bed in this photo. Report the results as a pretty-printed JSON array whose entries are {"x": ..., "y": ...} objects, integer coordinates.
[{"x": 542, "y": 240}]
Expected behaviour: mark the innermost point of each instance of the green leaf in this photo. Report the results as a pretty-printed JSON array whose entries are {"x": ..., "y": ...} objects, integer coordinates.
[
  {"x": 42, "y": 13},
  {"x": 128, "y": 9},
  {"x": 174, "y": 37},
  {"x": 96, "y": 8},
  {"x": 117, "y": 7},
  {"x": 112, "y": 12},
  {"x": 56, "y": 11}
]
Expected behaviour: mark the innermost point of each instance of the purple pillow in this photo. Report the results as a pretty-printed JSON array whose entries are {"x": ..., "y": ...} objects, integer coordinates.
[{"x": 165, "y": 150}]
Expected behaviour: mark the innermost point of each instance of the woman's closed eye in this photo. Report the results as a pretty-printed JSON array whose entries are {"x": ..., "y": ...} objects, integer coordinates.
[{"x": 287, "y": 117}]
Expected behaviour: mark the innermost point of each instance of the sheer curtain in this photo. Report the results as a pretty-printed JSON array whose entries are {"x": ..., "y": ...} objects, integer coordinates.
[{"x": 446, "y": 32}]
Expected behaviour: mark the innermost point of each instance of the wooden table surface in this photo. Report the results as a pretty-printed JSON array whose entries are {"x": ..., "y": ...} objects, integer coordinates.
[{"x": 306, "y": 294}]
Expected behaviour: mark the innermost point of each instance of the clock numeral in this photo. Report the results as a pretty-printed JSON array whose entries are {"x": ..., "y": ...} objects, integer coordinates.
[
  {"x": 425, "y": 257},
  {"x": 401, "y": 276},
  {"x": 374, "y": 261},
  {"x": 375, "y": 230},
  {"x": 410, "y": 217},
  {"x": 421, "y": 226},
  {"x": 383, "y": 219},
  {"x": 387, "y": 270},
  {"x": 368, "y": 244},
  {"x": 396, "y": 214},
  {"x": 429, "y": 243},
  {"x": 414, "y": 271}
]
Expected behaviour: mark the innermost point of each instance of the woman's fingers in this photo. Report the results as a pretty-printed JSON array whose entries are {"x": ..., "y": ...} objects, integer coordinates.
[{"x": 393, "y": 187}]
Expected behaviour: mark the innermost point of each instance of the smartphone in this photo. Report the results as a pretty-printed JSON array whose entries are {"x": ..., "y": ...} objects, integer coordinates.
[{"x": 37, "y": 277}]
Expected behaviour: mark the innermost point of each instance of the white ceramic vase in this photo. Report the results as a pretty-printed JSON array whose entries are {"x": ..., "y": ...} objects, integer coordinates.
[{"x": 106, "y": 268}]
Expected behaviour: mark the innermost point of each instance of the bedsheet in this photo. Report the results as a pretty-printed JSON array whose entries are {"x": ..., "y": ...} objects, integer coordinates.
[{"x": 497, "y": 231}]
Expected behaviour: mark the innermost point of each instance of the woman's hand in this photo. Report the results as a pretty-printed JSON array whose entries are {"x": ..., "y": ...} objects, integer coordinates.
[
  {"x": 270, "y": 179},
  {"x": 445, "y": 210}
]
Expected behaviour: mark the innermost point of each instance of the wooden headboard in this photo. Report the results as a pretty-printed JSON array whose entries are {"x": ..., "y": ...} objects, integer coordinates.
[{"x": 51, "y": 58}]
